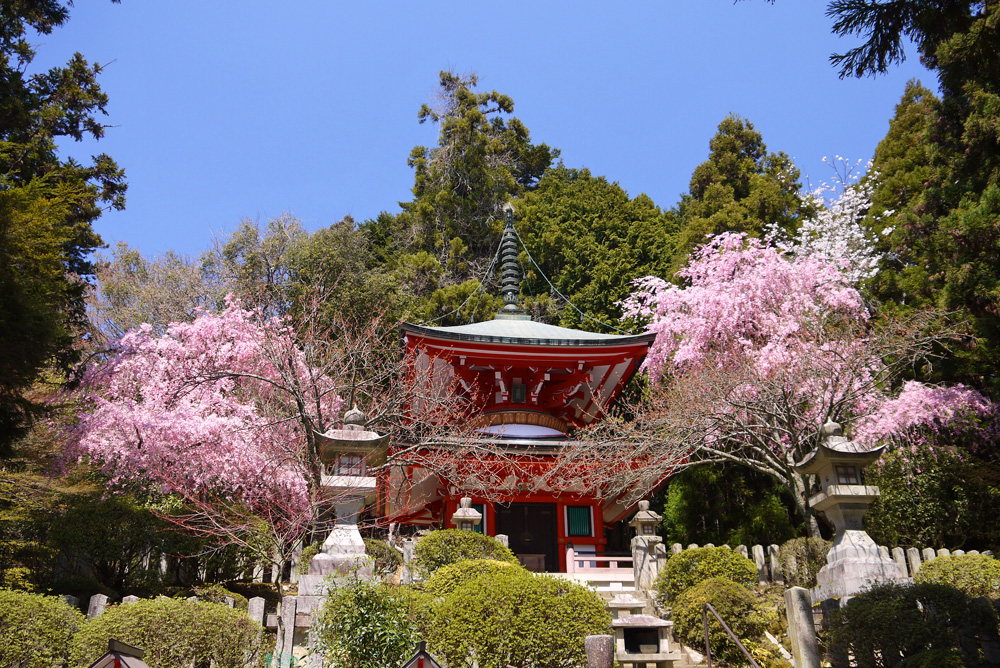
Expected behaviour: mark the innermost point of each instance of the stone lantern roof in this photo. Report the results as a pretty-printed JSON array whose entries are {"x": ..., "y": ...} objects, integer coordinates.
[{"x": 835, "y": 448}]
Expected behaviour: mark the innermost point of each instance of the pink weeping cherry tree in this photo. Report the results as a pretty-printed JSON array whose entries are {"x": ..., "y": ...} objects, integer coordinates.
[{"x": 758, "y": 348}]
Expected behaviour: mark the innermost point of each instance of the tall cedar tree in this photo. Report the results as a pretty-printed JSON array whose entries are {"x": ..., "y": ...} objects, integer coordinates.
[
  {"x": 947, "y": 241},
  {"x": 740, "y": 188},
  {"x": 47, "y": 206},
  {"x": 484, "y": 157}
]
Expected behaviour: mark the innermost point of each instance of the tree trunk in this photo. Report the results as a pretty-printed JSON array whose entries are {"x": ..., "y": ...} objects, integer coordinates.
[{"x": 800, "y": 491}]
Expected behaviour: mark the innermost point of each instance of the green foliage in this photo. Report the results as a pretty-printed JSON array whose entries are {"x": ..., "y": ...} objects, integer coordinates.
[
  {"x": 47, "y": 207},
  {"x": 448, "y": 578},
  {"x": 387, "y": 558},
  {"x": 691, "y": 567},
  {"x": 107, "y": 537},
  {"x": 591, "y": 240},
  {"x": 264, "y": 590},
  {"x": 801, "y": 559},
  {"x": 175, "y": 633},
  {"x": 447, "y": 546},
  {"x": 726, "y": 505},
  {"x": 891, "y": 623},
  {"x": 737, "y": 607},
  {"x": 935, "y": 497},
  {"x": 514, "y": 618},
  {"x": 974, "y": 574},
  {"x": 308, "y": 553},
  {"x": 216, "y": 593},
  {"x": 36, "y": 629},
  {"x": 484, "y": 157},
  {"x": 364, "y": 624},
  {"x": 740, "y": 188}
]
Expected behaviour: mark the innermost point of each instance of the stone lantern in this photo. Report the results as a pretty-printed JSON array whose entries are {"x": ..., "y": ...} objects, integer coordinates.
[
  {"x": 466, "y": 518},
  {"x": 854, "y": 562},
  {"x": 647, "y": 548},
  {"x": 640, "y": 640},
  {"x": 346, "y": 455}
]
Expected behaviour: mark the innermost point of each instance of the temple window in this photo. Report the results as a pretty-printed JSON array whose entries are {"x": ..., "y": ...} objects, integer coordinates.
[
  {"x": 350, "y": 465},
  {"x": 518, "y": 393},
  {"x": 578, "y": 521}
]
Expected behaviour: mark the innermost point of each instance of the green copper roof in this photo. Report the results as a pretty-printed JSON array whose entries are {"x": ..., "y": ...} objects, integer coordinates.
[{"x": 526, "y": 332}]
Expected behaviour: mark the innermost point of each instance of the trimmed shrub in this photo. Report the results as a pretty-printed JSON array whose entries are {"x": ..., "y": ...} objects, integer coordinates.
[
  {"x": 387, "y": 558},
  {"x": 440, "y": 548},
  {"x": 364, "y": 625},
  {"x": 308, "y": 553},
  {"x": 801, "y": 559},
  {"x": 891, "y": 623},
  {"x": 36, "y": 629},
  {"x": 737, "y": 606},
  {"x": 975, "y": 574},
  {"x": 691, "y": 567},
  {"x": 447, "y": 578},
  {"x": 175, "y": 633},
  {"x": 515, "y": 618}
]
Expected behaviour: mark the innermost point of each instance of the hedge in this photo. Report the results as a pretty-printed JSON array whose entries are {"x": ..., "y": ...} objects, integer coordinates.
[
  {"x": 36, "y": 630},
  {"x": 975, "y": 574},
  {"x": 175, "y": 633},
  {"x": 692, "y": 567},
  {"x": 387, "y": 558},
  {"x": 440, "y": 548},
  {"x": 448, "y": 578},
  {"x": 515, "y": 618}
]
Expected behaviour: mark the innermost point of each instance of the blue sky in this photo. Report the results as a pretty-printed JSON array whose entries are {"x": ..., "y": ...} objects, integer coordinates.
[{"x": 224, "y": 110}]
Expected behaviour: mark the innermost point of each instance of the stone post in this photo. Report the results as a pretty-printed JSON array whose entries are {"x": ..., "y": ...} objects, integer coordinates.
[
  {"x": 928, "y": 553},
  {"x": 775, "y": 563},
  {"x": 899, "y": 556},
  {"x": 72, "y": 601},
  {"x": 913, "y": 557},
  {"x": 503, "y": 539},
  {"x": 286, "y": 631},
  {"x": 758, "y": 558},
  {"x": 97, "y": 604},
  {"x": 801, "y": 629},
  {"x": 255, "y": 609},
  {"x": 129, "y": 599},
  {"x": 676, "y": 548},
  {"x": 600, "y": 651}
]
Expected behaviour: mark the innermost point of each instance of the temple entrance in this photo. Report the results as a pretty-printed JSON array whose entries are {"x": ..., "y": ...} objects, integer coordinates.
[{"x": 531, "y": 533}]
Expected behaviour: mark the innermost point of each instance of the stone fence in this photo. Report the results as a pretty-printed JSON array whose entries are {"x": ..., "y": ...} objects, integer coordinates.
[{"x": 768, "y": 559}]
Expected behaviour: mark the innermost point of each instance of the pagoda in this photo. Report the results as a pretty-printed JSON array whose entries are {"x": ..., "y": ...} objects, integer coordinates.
[{"x": 532, "y": 384}]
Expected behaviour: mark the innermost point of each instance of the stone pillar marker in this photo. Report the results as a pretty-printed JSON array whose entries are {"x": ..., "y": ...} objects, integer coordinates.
[
  {"x": 286, "y": 634},
  {"x": 776, "y": 576},
  {"x": 72, "y": 601},
  {"x": 647, "y": 547},
  {"x": 97, "y": 604},
  {"x": 899, "y": 556},
  {"x": 600, "y": 651},
  {"x": 801, "y": 629},
  {"x": 913, "y": 557},
  {"x": 758, "y": 559},
  {"x": 129, "y": 599},
  {"x": 854, "y": 562},
  {"x": 255, "y": 609}
]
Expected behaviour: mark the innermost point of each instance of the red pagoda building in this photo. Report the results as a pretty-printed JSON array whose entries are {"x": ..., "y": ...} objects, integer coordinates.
[{"x": 533, "y": 385}]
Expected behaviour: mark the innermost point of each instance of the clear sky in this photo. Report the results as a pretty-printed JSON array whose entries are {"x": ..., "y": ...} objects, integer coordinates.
[{"x": 226, "y": 109}]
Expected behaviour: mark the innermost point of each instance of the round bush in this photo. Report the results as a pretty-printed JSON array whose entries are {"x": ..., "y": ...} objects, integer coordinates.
[
  {"x": 900, "y": 622},
  {"x": 387, "y": 558},
  {"x": 36, "y": 629},
  {"x": 801, "y": 559},
  {"x": 975, "y": 574},
  {"x": 175, "y": 633},
  {"x": 691, "y": 567},
  {"x": 737, "y": 607},
  {"x": 447, "y": 578},
  {"x": 364, "y": 625},
  {"x": 515, "y": 618},
  {"x": 440, "y": 548}
]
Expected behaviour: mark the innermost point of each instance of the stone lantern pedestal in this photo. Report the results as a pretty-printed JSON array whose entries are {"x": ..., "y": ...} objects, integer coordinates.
[{"x": 854, "y": 562}]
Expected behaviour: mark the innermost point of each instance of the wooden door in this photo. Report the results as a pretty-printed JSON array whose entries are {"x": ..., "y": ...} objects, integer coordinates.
[{"x": 531, "y": 533}]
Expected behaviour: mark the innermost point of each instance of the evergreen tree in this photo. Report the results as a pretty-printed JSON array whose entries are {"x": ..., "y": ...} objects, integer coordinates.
[
  {"x": 740, "y": 188},
  {"x": 47, "y": 206},
  {"x": 591, "y": 240},
  {"x": 484, "y": 157}
]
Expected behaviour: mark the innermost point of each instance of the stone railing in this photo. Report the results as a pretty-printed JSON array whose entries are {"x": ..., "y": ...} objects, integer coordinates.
[{"x": 603, "y": 572}]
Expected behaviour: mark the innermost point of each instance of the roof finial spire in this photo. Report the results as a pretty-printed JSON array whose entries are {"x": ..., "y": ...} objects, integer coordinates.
[{"x": 510, "y": 276}]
